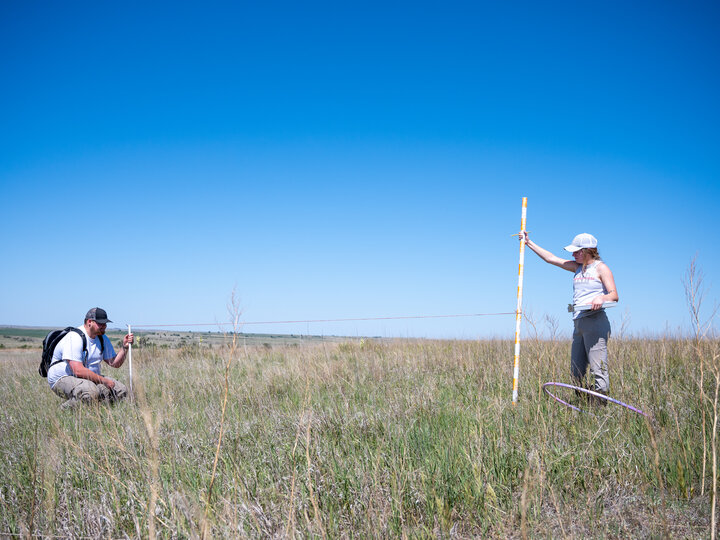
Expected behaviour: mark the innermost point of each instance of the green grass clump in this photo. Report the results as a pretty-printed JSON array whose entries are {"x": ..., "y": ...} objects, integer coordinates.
[{"x": 371, "y": 438}]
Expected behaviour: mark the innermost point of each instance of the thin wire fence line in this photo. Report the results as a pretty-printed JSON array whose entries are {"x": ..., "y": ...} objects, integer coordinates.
[{"x": 243, "y": 323}]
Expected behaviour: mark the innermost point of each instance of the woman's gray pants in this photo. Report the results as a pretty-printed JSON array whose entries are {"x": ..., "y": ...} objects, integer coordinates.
[{"x": 589, "y": 347}]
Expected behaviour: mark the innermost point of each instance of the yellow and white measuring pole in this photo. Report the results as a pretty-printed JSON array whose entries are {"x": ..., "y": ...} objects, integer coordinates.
[
  {"x": 518, "y": 312},
  {"x": 130, "y": 361}
]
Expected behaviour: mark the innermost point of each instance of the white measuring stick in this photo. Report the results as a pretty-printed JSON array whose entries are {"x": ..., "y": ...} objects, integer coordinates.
[
  {"x": 585, "y": 307},
  {"x": 130, "y": 360}
]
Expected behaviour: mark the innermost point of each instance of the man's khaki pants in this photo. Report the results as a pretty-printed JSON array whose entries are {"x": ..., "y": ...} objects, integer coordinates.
[{"x": 76, "y": 390}]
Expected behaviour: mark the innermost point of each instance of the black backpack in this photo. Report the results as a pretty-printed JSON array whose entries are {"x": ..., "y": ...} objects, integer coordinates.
[{"x": 51, "y": 341}]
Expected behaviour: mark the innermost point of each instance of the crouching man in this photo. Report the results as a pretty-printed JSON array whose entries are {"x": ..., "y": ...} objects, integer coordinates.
[{"x": 76, "y": 376}]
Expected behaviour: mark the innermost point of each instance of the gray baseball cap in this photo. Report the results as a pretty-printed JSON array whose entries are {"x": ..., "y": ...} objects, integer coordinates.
[{"x": 98, "y": 315}]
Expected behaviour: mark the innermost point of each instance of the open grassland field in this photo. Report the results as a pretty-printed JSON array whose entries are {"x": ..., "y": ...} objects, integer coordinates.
[
  {"x": 17, "y": 337},
  {"x": 366, "y": 439}
]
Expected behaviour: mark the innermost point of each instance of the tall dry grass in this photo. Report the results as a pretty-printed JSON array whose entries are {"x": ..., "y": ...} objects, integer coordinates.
[{"x": 365, "y": 438}]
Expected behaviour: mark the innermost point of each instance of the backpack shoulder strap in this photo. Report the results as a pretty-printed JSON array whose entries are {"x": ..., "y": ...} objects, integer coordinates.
[
  {"x": 84, "y": 341},
  {"x": 82, "y": 335}
]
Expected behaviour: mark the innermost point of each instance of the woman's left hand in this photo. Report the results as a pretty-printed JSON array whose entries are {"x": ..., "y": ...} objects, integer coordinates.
[{"x": 597, "y": 302}]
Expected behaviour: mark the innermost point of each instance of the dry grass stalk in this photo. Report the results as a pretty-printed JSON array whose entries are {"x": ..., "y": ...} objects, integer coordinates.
[
  {"x": 695, "y": 294},
  {"x": 313, "y": 499},
  {"x": 235, "y": 313},
  {"x": 151, "y": 423},
  {"x": 713, "y": 505}
]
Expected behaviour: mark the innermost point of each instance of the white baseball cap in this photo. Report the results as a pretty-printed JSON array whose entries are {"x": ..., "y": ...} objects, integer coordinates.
[{"x": 583, "y": 240}]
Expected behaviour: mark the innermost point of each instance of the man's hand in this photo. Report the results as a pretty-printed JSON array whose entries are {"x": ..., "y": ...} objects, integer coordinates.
[{"x": 128, "y": 340}]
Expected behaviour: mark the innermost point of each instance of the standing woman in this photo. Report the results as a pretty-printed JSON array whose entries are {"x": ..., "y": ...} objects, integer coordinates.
[{"x": 593, "y": 285}]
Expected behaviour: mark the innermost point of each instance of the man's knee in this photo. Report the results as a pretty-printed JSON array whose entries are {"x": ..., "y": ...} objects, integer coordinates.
[
  {"x": 86, "y": 391},
  {"x": 121, "y": 390},
  {"x": 116, "y": 393},
  {"x": 76, "y": 388}
]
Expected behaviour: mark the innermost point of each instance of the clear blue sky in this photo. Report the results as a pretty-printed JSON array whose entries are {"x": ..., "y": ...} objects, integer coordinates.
[{"x": 332, "y": 160}]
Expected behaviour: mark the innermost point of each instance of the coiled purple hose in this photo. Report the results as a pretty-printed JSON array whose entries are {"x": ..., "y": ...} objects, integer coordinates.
[{"x": 586, "y": 391}]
